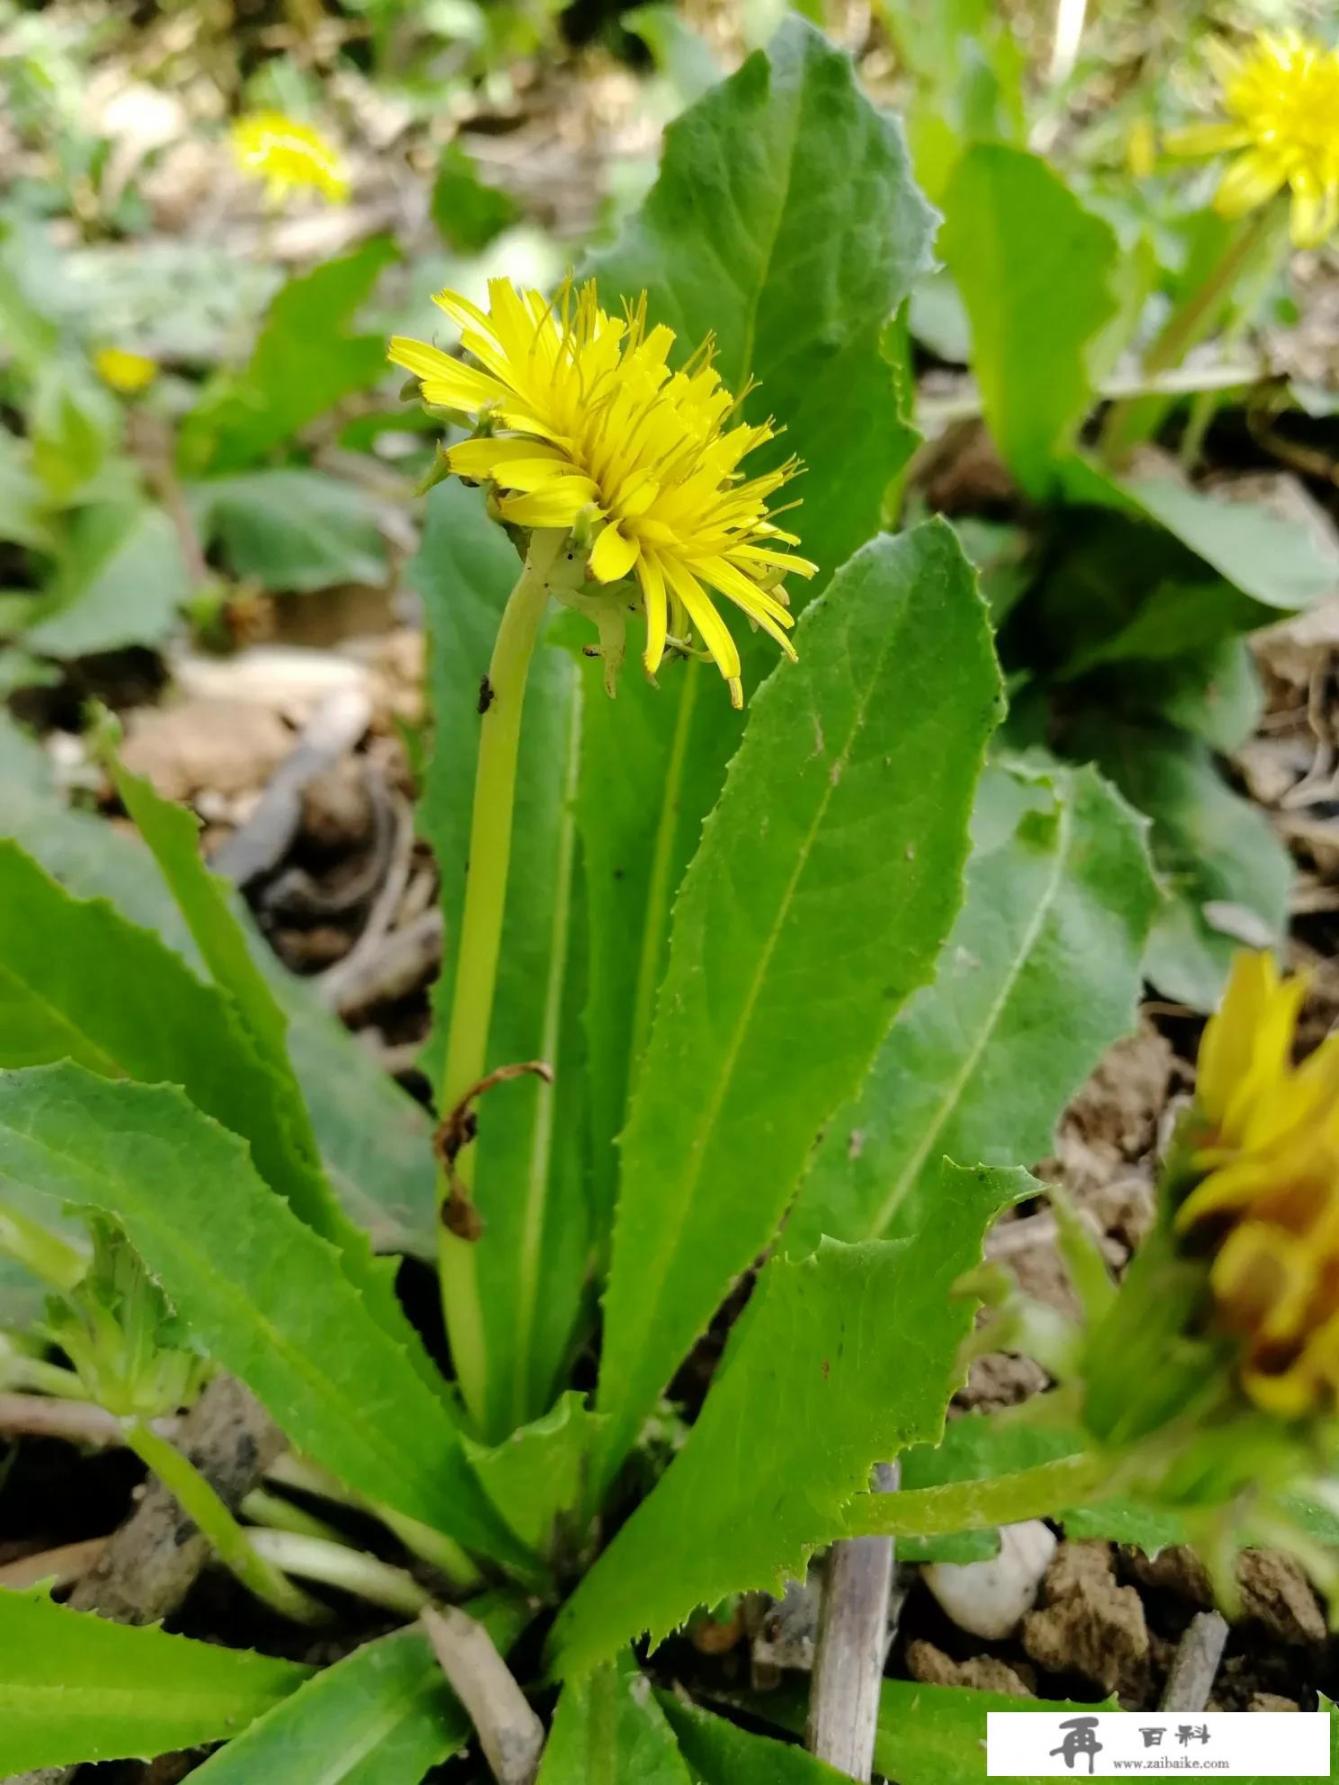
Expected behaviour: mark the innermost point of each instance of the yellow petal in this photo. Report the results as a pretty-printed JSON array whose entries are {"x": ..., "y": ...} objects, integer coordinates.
[
  {"x": 556, "y": 505},
  {"x": 651, "y": 577},
  {"x": 1229, "y": 1035},
  {"x": 445, "y": 381},
  {"x": 537, "y": 473},
  {"x": 613, "y": 556},
  {"x": 479, "y": 458},
  {"x": 1314, "y": 215},
  {"x": 1250, "y": 181},
  {"x": 711, "y": 628},
  {"x": 1206, "y": 139}
]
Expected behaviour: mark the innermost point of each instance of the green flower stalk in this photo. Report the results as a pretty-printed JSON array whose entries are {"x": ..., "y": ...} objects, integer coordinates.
[
  {"x": 622, "y": 480},
  {"x": 1280, "y": 97}
]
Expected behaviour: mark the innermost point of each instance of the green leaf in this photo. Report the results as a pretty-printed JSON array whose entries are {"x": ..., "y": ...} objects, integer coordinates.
[
  {"x": 820, "y": 897},
  {"x": 809, "y": 184},
  {"x": 1227, "y": 873},
  {"x": 936, "y": 1735},
  {"x": 72, "y": 422},
  {"x": 609, "y": 1729},
  {"x": 291, "y": 529},
  {"x": 76, "y": 1687},
  {"x": 1050, "y": 940},
  {"x": 1268, "y": 557},
  {"x": 375, "y": 1140},
  {"x": 468, "y": 213},
  {"x": 304, "y": 362},
  {"x": 24, "y": 518},
  {"x": 651, "y": 765},
  {"x": 1213, "y": 691},
  {"x": 261, "y": 1293},
  {"x": 79, "y": 982},
  {"x": 383, "y": 1715},
  {"x": 1034, "y": 270},
  {"x": 856, "y": 1343},
  {"x": 537, "y": 1476},
  {"x": 682, "y": 55},
  {"x": 172, "y": 834},
  {"x": 1168, "y": 569},
  {"x": 119, "y": 580},
  {"x": 22, "y": 1297},
  {"x": 529, "y": 1184},
  {"x": 721, "y": 1753}
]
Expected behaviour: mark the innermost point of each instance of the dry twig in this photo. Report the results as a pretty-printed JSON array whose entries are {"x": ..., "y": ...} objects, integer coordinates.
[
  {"x": 334, "y": 728},
  {"x": 67, "y": 1562},
  {"x": 1195, "y": 1665},
  {"x": 852, "y": 1646},
  {"x": 149, "y": 1564},
  {"x": 510, "y": 1734}
]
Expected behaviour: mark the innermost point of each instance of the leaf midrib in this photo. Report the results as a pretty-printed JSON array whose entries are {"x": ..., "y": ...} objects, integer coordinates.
[
  {"x": 972, "y": 1058},
  {"x": 110, "y": 1066},
  {"x": 834, "y": 776}
]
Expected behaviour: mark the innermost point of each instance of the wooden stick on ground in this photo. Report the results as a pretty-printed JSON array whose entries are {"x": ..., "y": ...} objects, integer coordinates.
[
  {"x": 852, "y": 1645},
  {"x": 150, "y": 1563},
  {"x": 67, "y": 1562},
  {"x": 43, "y": 1416},
  {"x": 1195, "y": 1665},
  {"x": 510, "y": 1734}
]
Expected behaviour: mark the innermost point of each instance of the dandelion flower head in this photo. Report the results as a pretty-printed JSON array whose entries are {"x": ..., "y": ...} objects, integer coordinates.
[
  {"x": 288, "y": 156},
  {"x": 1281, "y": 97},
  {"x": 583, "y": 425},
  {"x": 123, "y": 371},
  {"x": 1267, "y": 1159}
]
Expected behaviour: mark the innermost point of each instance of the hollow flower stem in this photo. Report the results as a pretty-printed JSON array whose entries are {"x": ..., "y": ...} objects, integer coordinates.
[
  {"x": 433, "y": 1547},
  {"x": 501, "y": 698},
  {"x": 975, "y": 1505},
  {"x": 336, "y": 1565},
  {"x": 227, "y": 1538},
  {"x": 1126, "y": 422},
  {"x": 44, "y": 1253}
]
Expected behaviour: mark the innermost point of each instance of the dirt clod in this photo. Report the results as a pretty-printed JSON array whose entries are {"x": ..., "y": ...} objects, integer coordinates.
[
  {"x": 1278, "y": 1595},
  {"x": 1088, "y": 1624},
  {"x": 984, "y": 1672},
  {"x": 224, "y": 747}
]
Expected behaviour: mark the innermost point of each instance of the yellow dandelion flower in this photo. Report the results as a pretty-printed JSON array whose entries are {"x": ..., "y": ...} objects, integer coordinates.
[
  {"x": 1281, "y": 96},
  {"x": 1266, "y": 1156},
  {"x": 288, "y": 156},
  {"x": 123, "y": 371},
  {"x": 584, "y": 425}
]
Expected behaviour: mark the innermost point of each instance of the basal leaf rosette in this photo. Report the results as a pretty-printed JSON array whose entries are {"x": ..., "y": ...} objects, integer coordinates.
[
  {"x": 1280, "y": 95},
  {"x": 581, "y": 425}
]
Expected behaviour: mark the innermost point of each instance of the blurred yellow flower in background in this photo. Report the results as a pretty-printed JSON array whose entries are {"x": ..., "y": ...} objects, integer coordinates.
[
  {"x": 587, "y": 424},
  {"x": 288, "y": 156},
  {"x": 1141, "y": 149},
  {"x": 1281, "y": 96},
  {"x": 125, "y": 372},
  {"x": 1266, "y": 1154}
]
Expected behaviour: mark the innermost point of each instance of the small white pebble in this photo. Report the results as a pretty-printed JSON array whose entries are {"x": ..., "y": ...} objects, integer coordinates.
[{"x": 989, "y": 1598}]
